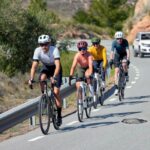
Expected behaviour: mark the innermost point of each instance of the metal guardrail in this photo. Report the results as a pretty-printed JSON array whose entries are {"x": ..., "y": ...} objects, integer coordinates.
[{"x": 24, "y": 111}]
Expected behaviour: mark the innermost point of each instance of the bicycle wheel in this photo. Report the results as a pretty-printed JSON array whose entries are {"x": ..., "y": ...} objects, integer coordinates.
[
  {"x": 80, "y": 105},
  {"x": 119, "y": 94},
  {"x": 88, "y": 108},
  {"x": 122, "y": 93},
  {"x": 101, "y": 100},
  {"x": 95, "y": 97},
  {"x": 54, "y": 113},
  {"x": 44, "y": 114}
]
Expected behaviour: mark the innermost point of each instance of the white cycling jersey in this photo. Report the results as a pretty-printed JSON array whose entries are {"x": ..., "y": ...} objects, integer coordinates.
[{"x": 47, "y": 58}]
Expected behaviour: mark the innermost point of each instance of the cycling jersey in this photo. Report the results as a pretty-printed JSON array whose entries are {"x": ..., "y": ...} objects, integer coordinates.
[
  {"x": 120, "y": 49},
  {"x": 99, "y": 54},
  {"x": 47, "y": 58}
]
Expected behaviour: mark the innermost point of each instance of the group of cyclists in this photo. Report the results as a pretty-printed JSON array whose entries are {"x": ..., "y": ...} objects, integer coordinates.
[{"x": 85, "y": 62}]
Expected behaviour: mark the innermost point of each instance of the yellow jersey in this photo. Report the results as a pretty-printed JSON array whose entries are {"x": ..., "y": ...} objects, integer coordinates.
[{"x": 99, "y": 54}]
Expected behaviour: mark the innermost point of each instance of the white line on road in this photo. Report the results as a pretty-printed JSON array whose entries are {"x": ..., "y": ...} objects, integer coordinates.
[
  {"x": 136, "y": 78},
  {"x": 95, "y": 110},
  {"x": 128, "y": 87},
  {"x": 71, "y": 123},
  {"x": 113, "y": 99},
  {"x": 137, "y": 75},
  {"x": 133, "y": 82},
  {"x": 37, "y": 138}
]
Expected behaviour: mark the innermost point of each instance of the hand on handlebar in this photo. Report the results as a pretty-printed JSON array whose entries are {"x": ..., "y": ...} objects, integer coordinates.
[
  {"x": 111, "y": 63},
  {"x": 30, "y": 82},
  {"x": 70, "y": 78}
]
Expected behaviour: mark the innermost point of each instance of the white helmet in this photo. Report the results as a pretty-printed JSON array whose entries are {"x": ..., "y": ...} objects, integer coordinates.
[
  {"x": 44, "y": 39},
  {"x": 119, "y": 34}
]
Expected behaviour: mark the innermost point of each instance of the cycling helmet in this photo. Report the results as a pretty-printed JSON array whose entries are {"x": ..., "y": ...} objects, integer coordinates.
[
  {"x": 96, "y": 40},
  {"x": 82, "y": 44},
  {"x": 44, "y": 39},
  {"x": 119, "y": 35}
]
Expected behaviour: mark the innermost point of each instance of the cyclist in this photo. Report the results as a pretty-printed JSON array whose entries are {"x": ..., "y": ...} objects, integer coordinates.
[
  {"x": 120, "y": 51},
  {"x": 83, "y": 62},
  {"x": 50, "y": 58},
  {"x": 99, "y": 57}
]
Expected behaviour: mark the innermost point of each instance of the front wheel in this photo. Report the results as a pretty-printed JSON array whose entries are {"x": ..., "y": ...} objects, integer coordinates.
[
  {"x": 80, "y": 105},
  {"x": 44, "y": 114}
]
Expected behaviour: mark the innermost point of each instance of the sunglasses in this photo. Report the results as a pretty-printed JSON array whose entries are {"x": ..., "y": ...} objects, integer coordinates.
[
  {"x": 95, "y": 43},
  {"x": 83, "y": 49},
  {"x": 44, "y": 44},
  {"x": 119, "y": 38}
]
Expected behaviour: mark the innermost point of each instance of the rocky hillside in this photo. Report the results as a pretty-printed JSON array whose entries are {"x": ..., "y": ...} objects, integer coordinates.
[{"x": 141, "y": 19}]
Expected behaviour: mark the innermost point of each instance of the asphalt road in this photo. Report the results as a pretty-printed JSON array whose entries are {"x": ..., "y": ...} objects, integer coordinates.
[{"x": 105, "y": 129}]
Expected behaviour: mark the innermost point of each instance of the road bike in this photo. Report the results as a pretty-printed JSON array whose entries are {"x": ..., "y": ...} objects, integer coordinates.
[
  {"x": 47, "y": 108},
  {"x": 97, "y": 87},
  {"x": 84, "y": 99}
]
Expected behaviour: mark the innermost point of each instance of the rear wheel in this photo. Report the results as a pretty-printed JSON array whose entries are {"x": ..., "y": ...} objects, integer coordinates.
[
  {"x": 54, "y": 113},
  {"x": 101, "y": 97},
  {"x": 44, "y": 114},
  {"x": 88, "y": 108},
  {"x": 80, "y": 105},
  {"x": 95, "y": 97}
]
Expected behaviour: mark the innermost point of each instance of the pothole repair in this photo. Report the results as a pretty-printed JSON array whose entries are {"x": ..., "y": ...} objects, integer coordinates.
[{"x": 133, "y": 121}]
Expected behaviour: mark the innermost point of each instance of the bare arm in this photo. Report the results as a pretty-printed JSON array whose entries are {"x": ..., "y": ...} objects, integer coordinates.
[
  {"x": 111, "y": 55},
  {"x": 128, "y": 54},
  {"x": 33, "y": 69},
  {"x": 57, "y": 69},
  {"x": 74, "y": 64},
  {"x": 90, "y": 65}
]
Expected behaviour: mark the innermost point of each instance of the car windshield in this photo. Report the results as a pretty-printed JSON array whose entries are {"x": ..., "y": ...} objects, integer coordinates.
[{"x": 145, "y": 36}]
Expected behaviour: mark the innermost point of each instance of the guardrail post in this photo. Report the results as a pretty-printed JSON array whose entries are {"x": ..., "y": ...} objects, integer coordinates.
[
  {"x": 64, "y": 103},
  {"x": 32, "y": 121}
]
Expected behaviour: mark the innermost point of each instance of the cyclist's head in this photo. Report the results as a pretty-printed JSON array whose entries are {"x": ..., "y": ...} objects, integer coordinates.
[
  {"x": 119, "y": 36},
  {"x": 82, "y": 46},
  {"x": 95, "y": 41},
  {"x": 44, "y": 41}
]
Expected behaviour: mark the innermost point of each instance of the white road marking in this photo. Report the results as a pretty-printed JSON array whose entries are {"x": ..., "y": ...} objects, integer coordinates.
[
  {"x": 136, "y": 78},
  {"x": 95, "y": 110},
  {"x": 133, "y": 82},
  {"x": 71, "y": 123},
  {"x": 37, "y": 138},
  {"x": 128, "y": 87},
  {"x": 137, "y": 75},
  {"x": 112, "y": 99}
]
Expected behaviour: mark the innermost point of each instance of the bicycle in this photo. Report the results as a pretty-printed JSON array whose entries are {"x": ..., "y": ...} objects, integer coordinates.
[
  {"x": 98, "y": 89},
  {"x": 84, "y": 100},
  {"x": 121, "y": 81},
  {"x": 47, "y": 108}
]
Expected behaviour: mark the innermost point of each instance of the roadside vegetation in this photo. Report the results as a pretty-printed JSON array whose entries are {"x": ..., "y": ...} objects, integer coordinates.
[{"x": 20, "y": 26}]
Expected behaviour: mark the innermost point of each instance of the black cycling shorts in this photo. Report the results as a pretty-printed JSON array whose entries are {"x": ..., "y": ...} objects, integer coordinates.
[
  {"x": 118, "y": 58},
  {"x": 49, "y": 71}
]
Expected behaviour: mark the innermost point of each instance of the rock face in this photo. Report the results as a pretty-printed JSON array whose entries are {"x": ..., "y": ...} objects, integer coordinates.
[{"x": 143, "y": 24}]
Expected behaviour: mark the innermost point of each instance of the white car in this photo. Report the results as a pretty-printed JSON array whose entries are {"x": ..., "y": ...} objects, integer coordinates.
[{"x": 141, "y": 44}]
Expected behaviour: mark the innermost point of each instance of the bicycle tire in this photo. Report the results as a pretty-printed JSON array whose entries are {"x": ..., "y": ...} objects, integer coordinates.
[
  {"x": 80, "y": 108},
  {"x": 54, "y": 113},
  {"x": 44, "y": 114},
  {"x": 95, "y": 97},
  {"x": 119, "y": 94},
  {"x": 101, "y": 100}
]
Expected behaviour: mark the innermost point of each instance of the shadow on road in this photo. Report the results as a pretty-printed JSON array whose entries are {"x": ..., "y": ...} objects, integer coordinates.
[
  {"x": 116, "y": 115},
  {"x": 138, "y": 97}
]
